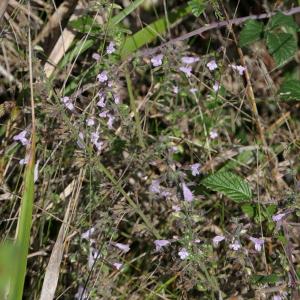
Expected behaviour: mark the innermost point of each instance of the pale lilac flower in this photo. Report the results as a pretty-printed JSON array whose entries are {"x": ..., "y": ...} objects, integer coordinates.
[
  {"x": 195, "y": 168},
  {"x": 175, "y": 89},
  {"x": 36, "y": 171},
  {"x": 176, "y": 208},
  {"x": 216, "y": 86},
  {"x": 155, "y": 187},
  {"x": 99, "y": 145},
  {"x": 94, "y": 253},
  {"x": 187, "y": 194},
  {"x": 21, "y": 137},
  {"x": 82, "y": 293},
  {"x": 193, "y": 90},
  {"x": 212, "y": 65},
  {"x": 197, "y": 241},
  {"x": 183, "y": 254},
  {"x": 90, "y": 122},
  {"x": 117, "y": 265},
  {"x": 217, "y": 239},
  {"x": 110, "y": 83},
  {"x": 101, "y": 102},
  {"x": 157, "y": 60},
  {"x": 96, "y": 56},
  {"x": 117, "y": 99},
  {"x": 103, "y": 114},
  {"x": 257, "y": 243},
  {"x": 186, "y": 70},
  {"x": 165, "y": 193},
  {"x": 278, "y": 217},
  {"x": 24, "y": 161},
  {"x": 94, "y": 137},
  {"x": 110, "y": 48},
  {"x": 102, "y": 77},
  {"x": 67, "y": 102},
  {"x": 87, "y": 234},
  {"x": 277, "y": 297},
  {"x": 235, "y": 245},
  {"x": 110, "y": 121},
  {"x": 80, "y": 140},
  {"x": 159, "y": 244},
  {"x": 124, "y": 247},
  {"x": 238, "y": 68},
  {"x": 189, "y": 59},
  {"x": 213, "y": 134}
]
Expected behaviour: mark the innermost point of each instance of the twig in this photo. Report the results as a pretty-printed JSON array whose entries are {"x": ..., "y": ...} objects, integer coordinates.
[{"x": 199, "y": 31}]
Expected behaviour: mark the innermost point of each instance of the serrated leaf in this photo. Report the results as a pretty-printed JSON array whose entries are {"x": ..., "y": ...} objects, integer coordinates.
[
  {"x": 197, "y": 7},
  {"x": 281, "y": 20},
  {"x": 290, "y": 89},
  {"x": 282, "y": 46},
  {"x": 229, "y": 184},
  {"x": 251, "y": 32}
]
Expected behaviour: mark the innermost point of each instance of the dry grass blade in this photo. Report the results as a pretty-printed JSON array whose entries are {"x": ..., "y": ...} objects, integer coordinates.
[
  {"x": 3, "y": 6},
  {"x": 52, "y": 270}
]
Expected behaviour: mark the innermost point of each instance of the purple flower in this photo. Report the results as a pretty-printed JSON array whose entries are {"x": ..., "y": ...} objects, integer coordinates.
[
  {"x": 176, "y": 208},
  {"x": 94, "y": 253},
  {"x": 189, "y": 59},
  {"x": 277, "y": 297},
  {"x": 186, "y": 70},
  {"x": 278, "y": 217},
  {"x": 257, "y": 243},
  {"x": 175, "y": 89},
  {"x": 117, "y": 99},
  {"x": 110, "y": 121},
  {"x": 104, "y": 114},
  {"x": 124, "y": 247},
  {"x": 102, "y": 77},
  {"x": 94, "y": 137},
  {"x": 67, "y": 102},
  {"x": 217, "y": 239},
  {"x": 159, "y": 244},
  {"x": 212, "y": 65},
  {"x": 213, "y": 134},
  {"x": 216, "y": 86},
  {"x": 110, "y": 48},
  {"x": 193, "y": 90},
  {"x": 195, "y": 168},
  {"x": 117, "y": 265},
  {"x": 90, "y": 122},
  {"x": 96, "y": 56},
  {"x": 238, "y": 68},
  {"x": 183, "y": 254},
  {"x": 155, "y": 187},
  {"x": 99, "y": 145},
  {"x": 197, "y": 241},
  {"x": 21, "y": 137},
  {"x": 87, "y": 234},
  {"x": 187, "y": 194},
  {"x": 235, "y": 245},
  {"x": 24, "y": 161},
  {"x": 157, "y": 60},
  {"x": 80, "y": 140},
  {"x": 101, "y": 102}
]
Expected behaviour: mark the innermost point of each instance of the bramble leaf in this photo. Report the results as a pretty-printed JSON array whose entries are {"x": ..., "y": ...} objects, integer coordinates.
[
  {"x": 290, "y": 89},
  {"x": 282, "y": 46},
  {"x": 251, "y": 32},
  {"x": 229, "y": 184}
]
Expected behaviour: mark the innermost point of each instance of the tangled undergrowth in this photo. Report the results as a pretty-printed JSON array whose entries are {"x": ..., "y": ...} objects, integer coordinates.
[{"x": 166, "y": 150}]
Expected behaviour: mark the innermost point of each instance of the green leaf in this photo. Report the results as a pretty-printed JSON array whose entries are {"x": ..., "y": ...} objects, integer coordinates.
[
  {"x": 281, "y": 20},
  {"x": 125, "y": 12},
  {"x": 229, "y": 184},
  {"x": 151, "y": 32},
  {"x": 290, "y": 89},
  {"x": 197, "y": 7},
  {"x": 282, "y": 46},
  {"x": 85, "y": 24},
  {"x": 248, "y": 209},
  {"x": 264, "y": 279},
  {"x": 251, "y": 32}
]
